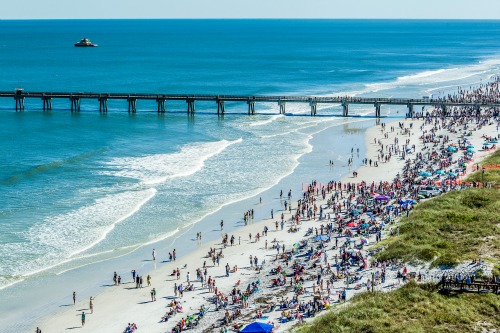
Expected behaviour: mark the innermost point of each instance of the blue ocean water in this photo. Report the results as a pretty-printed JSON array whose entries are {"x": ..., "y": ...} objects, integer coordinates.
[{"x": 81, "y": 189}]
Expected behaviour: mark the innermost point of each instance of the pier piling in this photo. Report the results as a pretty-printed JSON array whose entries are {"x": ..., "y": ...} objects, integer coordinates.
[
  {"x": 191, "y": 106},
  {"x": 314, "y": 107},
  {"x": 282, "y": 105},
  {"x": 132, "y": 104},
  {"x": 345, "y": 108},
  {"x": 161, "y": 105},
  {"x": 251, "y": 107},
  {"x": 377, "y": 109},
  {"x": 410, "y": 110},
  {"x": 220, "y": 107},
  {"x": 103, "y": 104},
  {"x": 75, "y": 103}
]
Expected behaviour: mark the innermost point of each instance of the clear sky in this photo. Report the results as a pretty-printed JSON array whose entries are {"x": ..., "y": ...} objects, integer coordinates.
[{"x": 431, "y": 9}]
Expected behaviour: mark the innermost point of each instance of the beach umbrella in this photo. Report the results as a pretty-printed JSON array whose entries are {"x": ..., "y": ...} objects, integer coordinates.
[
  {"x": 470, "y": 146},
  {"x": 439, "y": 172},
  {"x": 425, "y": 174},
  {"x": 365, "y": 225},
  {"x": 351, "y": 224},
  {"x": 408, "y": 149},
  {"x": 371, "y": 216},
  {"x": 452, "y": 174},
  {"x": 382, "y": 198},
  {"x": 452, "y": 149},
  {"x": 257, "y": 327}
]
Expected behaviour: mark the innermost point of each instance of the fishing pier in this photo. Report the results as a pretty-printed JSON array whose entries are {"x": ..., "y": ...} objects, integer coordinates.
[{"x": 312, "y": 102}]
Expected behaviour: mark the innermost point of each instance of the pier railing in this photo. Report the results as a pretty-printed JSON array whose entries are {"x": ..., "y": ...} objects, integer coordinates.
[{"x": 312, "y": 101}]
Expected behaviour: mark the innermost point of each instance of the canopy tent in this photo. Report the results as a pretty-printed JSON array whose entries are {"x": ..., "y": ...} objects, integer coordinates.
[{"x": 257, "y": 327}]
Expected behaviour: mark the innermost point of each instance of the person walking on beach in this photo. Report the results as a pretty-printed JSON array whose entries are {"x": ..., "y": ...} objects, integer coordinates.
[
  {"x": 154, "y": 255},
  {"x": 148, "y": 280},
  {"x": 91, "y": 304},
  {"x": 83, "y": 319},
  {"x": 74, "y": 297},
  {"x": 174, "y": 254},
  {"x": 133, "y": 275},
  {"x": 38, "y": 330},
  {"x": 221, "y": 225}
]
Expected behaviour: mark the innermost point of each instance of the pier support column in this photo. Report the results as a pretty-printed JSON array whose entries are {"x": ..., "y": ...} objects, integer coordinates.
[
  {"x": 251, "y": 107},
  {"x": 132, "y": 104},
  {"x": 345, "y": 109},
  {"x": 478, "y": 110},
  {"x": 47, "y": 103},
  {"x": 444, "y": 111},
  {"x": 220, "y": 107},
  {"x": 19, "y": 103},
  {"x": 161, "y": 105},
  {"x": 282, "y": 105},
  {"x": 314, "y": 107},
  {"x": 103, "y": 104},
  {"x": 75, "y": 103},
  {"x": 410, "y": 110},
  {"x": 377, "y": 110},
  {"x": 191, "y": 106}
]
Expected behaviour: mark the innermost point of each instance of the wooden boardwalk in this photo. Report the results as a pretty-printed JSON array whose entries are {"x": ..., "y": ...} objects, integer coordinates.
[
  {"x": 448, "y": 287},
  {"x": 312, "y": 101}
]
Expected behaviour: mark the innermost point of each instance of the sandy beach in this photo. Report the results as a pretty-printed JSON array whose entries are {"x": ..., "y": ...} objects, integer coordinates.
[{"x": 122, "y": 304}]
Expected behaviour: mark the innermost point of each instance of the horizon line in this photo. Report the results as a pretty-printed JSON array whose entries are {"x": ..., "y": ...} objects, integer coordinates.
[{"x": 254, "y": 18}]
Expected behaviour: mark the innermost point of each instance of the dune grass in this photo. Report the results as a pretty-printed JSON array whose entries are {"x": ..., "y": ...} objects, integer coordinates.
[
  {"x": 491, "y": 176},
  {"x": 449, "y": 229},
  {"x": 412, "y": 308}
]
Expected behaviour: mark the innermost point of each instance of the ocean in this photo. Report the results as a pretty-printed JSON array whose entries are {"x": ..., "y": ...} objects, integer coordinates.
[{"x": 85, "y": 194}]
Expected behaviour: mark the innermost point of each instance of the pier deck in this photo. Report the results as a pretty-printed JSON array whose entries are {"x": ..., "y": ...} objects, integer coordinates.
[{"x": 312, "y": 101}]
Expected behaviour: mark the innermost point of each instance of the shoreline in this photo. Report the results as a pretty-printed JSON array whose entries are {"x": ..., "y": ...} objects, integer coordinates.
[
  {"x": 163, "y": 282},
  {"x": 138, "y": 255},
  {"x": 196, "y": 256}
]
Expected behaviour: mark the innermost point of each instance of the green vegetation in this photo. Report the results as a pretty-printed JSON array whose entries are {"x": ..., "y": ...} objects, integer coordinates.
[
  {"x": 449, "y": 229},
  {"x": 491, "y": 176},
  {"x": 412, "y": 308}
]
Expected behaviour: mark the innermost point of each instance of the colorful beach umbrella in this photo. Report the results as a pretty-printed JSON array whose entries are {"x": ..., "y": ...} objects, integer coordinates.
[{"x": 382, "y": 198}]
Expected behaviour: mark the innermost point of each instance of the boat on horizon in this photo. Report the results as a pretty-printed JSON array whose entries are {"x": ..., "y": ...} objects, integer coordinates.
[{"x": 85, "y": 42}]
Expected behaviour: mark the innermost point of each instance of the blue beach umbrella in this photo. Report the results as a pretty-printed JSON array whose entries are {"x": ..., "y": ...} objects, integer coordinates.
[
  {"x": 470, "y": 146},
  {"x": 425, "y": 174},
  {"x": 439, "y": 172},
  {"x": 257, "y": 327},
  {"x": 452, "y": 174},
  {"x": 452, "y": 149}
]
